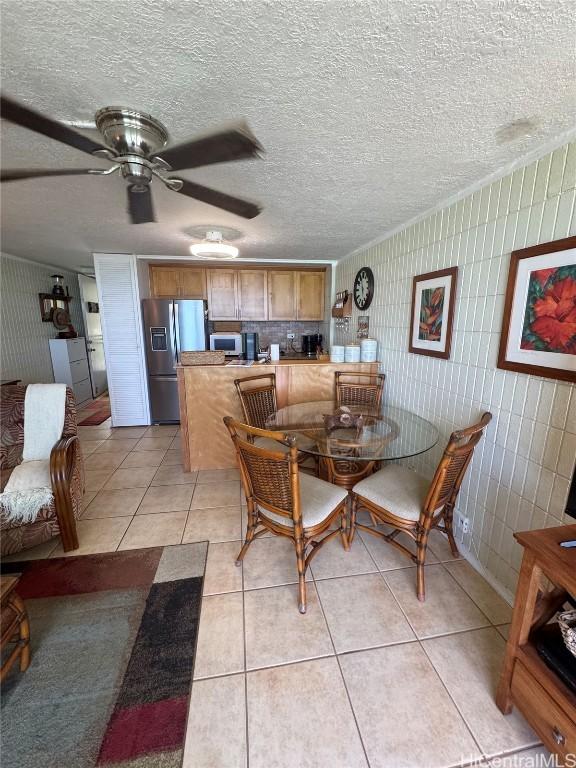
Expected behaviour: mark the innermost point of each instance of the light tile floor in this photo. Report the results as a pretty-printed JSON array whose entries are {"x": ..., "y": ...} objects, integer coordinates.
[{"x": 367, "y": 677}]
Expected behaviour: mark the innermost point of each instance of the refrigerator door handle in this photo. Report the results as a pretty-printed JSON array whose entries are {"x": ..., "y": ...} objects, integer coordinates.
[
  {"x": 177, "y": 331},
  {"x": 173, "y": 334}
]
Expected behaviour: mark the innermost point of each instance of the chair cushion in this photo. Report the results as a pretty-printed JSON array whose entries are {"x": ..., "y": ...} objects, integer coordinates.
[
  {"x": 318, "y": 500},
  {"x": 397, "y": 489}
]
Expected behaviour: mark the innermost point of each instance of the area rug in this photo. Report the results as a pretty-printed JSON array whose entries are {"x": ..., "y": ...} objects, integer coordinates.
[
  {"x": 100, "y": 412},
  {"x": 113, "y": 640}
]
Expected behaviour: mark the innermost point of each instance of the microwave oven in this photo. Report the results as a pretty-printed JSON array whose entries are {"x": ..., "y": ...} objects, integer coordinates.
[{"x": 229, "y": 343}]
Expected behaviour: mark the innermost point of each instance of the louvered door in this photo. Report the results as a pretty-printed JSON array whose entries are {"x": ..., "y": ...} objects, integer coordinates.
[{"x": 123, "y": 338}]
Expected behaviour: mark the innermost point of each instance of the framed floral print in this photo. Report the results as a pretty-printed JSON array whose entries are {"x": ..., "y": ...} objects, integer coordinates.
[
  {"x": 539, "y": 326},
  {"x": 433, "y": 296}
]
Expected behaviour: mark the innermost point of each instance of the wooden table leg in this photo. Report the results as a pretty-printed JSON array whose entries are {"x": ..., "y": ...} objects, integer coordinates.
[{"x": 524, "y": 605}]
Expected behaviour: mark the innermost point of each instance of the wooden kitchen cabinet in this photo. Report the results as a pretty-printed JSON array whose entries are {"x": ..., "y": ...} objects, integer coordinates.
[
  {"x": 193, "y": 283},
  {"x": 164, "y": 282},
  {"x": 310, "y": 296},
  {"x": 282, "y": 294},
  {"x": 222, "y": 294},
  {"x": 244, "y": 294},
  {"x": 177, "y": 282},
  {"x": 252, "y": 294}
]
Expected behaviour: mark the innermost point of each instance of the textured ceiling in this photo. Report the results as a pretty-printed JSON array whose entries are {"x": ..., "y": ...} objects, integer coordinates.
[{"x": 370, "y": 111}]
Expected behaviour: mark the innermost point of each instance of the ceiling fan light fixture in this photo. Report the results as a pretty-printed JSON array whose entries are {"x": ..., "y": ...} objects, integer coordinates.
[{"x": 213, "y": 248}]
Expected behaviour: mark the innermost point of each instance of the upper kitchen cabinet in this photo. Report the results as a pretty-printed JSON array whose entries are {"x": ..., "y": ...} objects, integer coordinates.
[
  {"x": 193, "y": 283},
  {"x": 252, "y": 294},
  {"x": 282, "y": 294},
  {"x": 164, "y": 283},
  {"x": 177, "y": 282},
  {"x": 222, "y": 294},
  {"x": 244, "y": 294},
  {"x": 310, "y": 296}
]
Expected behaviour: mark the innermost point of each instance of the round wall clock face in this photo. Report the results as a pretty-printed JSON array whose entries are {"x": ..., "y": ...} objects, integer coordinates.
[{"x": 363, "y": 288}]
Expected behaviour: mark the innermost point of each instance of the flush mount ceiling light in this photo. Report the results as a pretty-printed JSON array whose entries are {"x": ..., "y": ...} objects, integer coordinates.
[{"x": 213, "y": 248}]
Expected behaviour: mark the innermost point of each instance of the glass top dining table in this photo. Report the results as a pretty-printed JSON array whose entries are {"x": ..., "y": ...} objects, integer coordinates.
[{"x": 383, "y": 435}]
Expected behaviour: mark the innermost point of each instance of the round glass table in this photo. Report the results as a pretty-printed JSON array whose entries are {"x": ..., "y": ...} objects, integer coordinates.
[{"x": 390, "y": 433}]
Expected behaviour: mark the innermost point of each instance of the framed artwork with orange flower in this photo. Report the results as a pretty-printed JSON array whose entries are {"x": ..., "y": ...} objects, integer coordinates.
[
  {"x": 433, "y": 297},
  {"x": 539, "y": 326}
]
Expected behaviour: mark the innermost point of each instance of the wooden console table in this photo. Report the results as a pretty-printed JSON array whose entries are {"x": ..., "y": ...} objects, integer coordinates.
[{"x": 526, "y": 681}]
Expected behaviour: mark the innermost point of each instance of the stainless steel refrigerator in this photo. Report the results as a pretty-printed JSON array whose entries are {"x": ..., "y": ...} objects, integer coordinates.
[{"x": 171, "y": 326}]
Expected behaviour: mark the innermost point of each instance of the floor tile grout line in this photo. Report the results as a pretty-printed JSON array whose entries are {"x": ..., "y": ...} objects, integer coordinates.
[
  {"x": 420, "y": 643},
  {"x": 492, "y": 624},
  {"x": 267, "y": 667},
  {"x": 440, "y": 634},
  {"x": 508, "y": 753},
  {"x": 464, "y": 719},
  {"x": 341, "y": 672}
]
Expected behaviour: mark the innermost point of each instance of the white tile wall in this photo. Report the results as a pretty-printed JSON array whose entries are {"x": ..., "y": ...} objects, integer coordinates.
[
  {"x": 24, "y": 349},
  {"x": 519, "y": 477}
]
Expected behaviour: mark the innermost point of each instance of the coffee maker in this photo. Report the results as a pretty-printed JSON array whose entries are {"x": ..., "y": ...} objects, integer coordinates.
[
  {"x": 250, "y": 346},
  {"x": 311, "y": 342}
]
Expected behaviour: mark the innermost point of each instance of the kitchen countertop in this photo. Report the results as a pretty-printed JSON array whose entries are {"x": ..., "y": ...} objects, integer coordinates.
[{"x": 284, "y": 361}]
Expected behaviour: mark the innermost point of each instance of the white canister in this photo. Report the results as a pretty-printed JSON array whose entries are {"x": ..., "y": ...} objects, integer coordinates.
[
  {"x": 337, "y": 354},
  {"x": 368, "y": 350},
  {"x": 352, "y": 353},
  {"x": 274, "y": 351}
]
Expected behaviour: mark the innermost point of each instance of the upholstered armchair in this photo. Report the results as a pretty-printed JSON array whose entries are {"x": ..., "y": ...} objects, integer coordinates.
[{"x": 66, "y": 471}]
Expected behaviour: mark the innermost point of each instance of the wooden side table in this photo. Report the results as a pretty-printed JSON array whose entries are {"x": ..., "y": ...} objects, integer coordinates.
[
  {"x": 526, "y": 681},
  {"x": 15, "y": 625}
]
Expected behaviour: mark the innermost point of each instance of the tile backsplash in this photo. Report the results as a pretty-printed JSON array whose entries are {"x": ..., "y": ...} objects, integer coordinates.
[
  {"x": 520, "y": 475},
  {"x": 275, "y": 332},
  {"x": 24, "y": 348}
]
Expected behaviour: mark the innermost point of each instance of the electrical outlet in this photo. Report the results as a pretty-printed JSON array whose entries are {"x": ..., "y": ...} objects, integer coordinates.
[
  {"x": 290, "y": 335},
  {"x": 465, "y": 523}
]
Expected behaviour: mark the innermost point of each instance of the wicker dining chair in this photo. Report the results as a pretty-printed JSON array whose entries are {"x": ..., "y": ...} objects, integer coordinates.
[
  {"x": 361, "y": 390},
  {"x": 258, "y": 399},
  {"x": 355, "y": 390},
  {"x": 399, "y": 497},
  {"x": 283, "y": 500}
]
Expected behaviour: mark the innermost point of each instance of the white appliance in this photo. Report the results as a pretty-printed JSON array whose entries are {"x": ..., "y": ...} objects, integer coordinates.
[
  {"x": 70, "y": 366},
  {"x": 229, "y": 343}
]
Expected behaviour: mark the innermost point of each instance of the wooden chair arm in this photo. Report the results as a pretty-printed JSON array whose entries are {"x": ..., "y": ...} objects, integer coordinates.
[{"x": 62, "y": 459}]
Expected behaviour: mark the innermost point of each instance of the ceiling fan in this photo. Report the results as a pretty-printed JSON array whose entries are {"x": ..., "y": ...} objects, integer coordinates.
[{"x": 135, "y": 143}]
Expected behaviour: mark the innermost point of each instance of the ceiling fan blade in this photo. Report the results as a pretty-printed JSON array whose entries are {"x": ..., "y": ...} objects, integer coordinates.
[
  {"x": 211, "y": 196},
  {"x": 140, "y": 207},
  {"x": 28, "y": 118},
  {"x": 234, "y": 143},
  {"x": 36, "y": 173}
]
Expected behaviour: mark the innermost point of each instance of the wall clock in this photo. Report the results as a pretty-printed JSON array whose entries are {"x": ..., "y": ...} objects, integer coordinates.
[{"x": 363, "y": 288}]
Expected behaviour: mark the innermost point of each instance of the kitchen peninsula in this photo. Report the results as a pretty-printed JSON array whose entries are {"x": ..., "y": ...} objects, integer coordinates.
[{"x": 207, "y": 394}]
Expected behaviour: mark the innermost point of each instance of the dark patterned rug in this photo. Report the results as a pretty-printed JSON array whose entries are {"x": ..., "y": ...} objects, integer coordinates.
[
  {"x": 100, "y": 412},
  {"x": 113, "y": 640}
]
